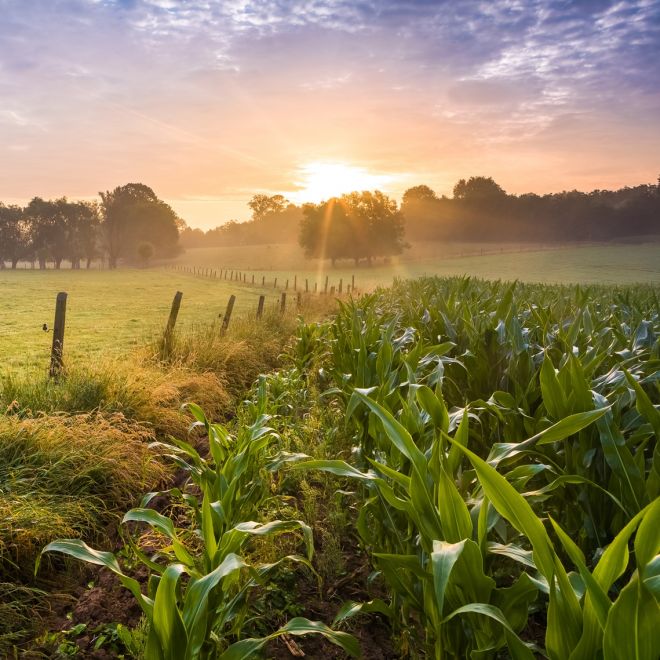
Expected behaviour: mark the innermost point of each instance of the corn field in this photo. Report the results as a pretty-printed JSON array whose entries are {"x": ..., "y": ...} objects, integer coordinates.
[{"x": 502, "y": 463}]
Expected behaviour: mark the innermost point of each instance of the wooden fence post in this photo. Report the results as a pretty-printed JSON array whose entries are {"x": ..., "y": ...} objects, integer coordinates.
[
  {"x": 230, "y": 308},
  {"x": 287, "y": 285},
  {"x": 174, "y": 311},
  {"x": 352, "y": 282},
  {"x": 168, "y": 335},
  {"x": 283, "y": 303},
  {"x": 341, "y": 284},
  {"x": 306, "y": 285},
  {"x": 299, "y": 300},
  {"x": 316, "y": 287},
  {"x": 57, "y": 350},
  {"x": 263, "y": 280},
  {"x": 295, "y": 283},
  {"x": 326, "y": 285},
  {"x": 275, "y": 284},
  {"x": 252, "y": 279},
  {"x": 260, "y": 306}
]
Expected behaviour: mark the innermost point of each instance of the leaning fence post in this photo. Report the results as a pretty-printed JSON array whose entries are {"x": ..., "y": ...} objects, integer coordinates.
[
  {"x": 228, "y": 311},
  {"x": 275, "y": 284},
  {"x": 260, "y": 306},
  {"x": 168, "y": 335},
  {"x": 174, "y": 311},
  {"x": 56, "y": 362},
  {"x": 283, "y": 303}
]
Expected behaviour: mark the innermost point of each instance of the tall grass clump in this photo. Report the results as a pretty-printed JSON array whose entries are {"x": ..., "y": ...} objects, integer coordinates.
[
  {"x": 246, "y": 349},
  {"x": 63, "y": 474}
]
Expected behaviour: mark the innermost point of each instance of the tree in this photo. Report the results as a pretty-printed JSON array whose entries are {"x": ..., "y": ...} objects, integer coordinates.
[
  {"x": 50, "y": 229},
  {"x": 355, "y": 226},
  {"x": 418, "y": 194},
  {"x": 478, "y": 189},
  {"x": 145, "y": 251},
  {"x": 133, "y": 213},
  {"x": 83, "y": 221},
  {"x": 422, "y": 210},
  {"x": 264, "y": 205},
  {"x": 14, "y": 235}
]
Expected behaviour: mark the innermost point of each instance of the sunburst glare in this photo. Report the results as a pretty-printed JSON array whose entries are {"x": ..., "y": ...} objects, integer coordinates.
[{"x": 320, "y": 181}]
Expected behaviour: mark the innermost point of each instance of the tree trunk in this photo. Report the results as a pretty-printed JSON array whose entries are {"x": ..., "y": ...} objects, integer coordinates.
[
  {"x": 42, "y": 264},
  {"x": 58, "y": 263},
  {"x": 14, "y": 264},
  {"x": 89, "y": 263},
  {"x": 112, "y": 262}
]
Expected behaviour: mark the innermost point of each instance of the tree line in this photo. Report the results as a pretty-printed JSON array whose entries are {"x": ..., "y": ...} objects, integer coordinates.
[
  {"x": 480, "y": 210},
  {"x": 369, "y": 224},
  {"x": 129, "y": 223}
]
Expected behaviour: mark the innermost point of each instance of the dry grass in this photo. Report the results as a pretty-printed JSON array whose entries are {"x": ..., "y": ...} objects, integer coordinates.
[{"x": 63, "y": 475}]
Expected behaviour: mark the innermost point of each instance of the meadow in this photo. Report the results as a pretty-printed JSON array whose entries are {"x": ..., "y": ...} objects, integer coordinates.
[
  {"x": 587, "y": 264},
  {"x": 109, "y": 313}
]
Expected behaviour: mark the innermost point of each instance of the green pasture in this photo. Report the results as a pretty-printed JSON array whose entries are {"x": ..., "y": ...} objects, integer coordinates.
[
  {"x": 595, "y": 264},
  {"x": 109, "y": 313}
]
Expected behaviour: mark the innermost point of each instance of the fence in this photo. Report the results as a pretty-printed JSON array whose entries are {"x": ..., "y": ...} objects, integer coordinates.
[
  {"x": 56, "y": 369},
  {"x": 248, "y": 279}
]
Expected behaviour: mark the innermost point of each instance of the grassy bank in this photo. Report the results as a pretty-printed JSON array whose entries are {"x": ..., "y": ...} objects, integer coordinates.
[{"x": 74, "y": 454}]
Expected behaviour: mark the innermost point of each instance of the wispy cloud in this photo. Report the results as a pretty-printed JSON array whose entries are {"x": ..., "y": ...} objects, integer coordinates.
[{"x": 206, "y": 99}]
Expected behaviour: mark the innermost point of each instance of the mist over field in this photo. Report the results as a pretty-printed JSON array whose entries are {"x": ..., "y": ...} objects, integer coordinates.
[{"x": 329, "y": 329}]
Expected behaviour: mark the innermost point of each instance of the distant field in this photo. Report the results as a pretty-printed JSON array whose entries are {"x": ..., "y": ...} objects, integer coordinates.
[
  {"x": 111, "y": 312},
  {"x": 602, "y": 264},
  {"x": 108, "y": 312}
]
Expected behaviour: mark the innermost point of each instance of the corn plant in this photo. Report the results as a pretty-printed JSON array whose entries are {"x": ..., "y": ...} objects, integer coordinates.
[
  {"x": 200, "y": 579},
  {"x": 554, "y": 390}
]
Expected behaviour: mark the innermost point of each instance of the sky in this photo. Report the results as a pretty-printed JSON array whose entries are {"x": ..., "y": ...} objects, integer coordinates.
[{"x": 211, "y": 102}]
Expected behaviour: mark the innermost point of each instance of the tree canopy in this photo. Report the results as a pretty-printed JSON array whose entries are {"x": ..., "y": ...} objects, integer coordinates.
[
  {"x": 481, "y": 210},
  {"x": 264, "y": 205},
  {"x": 59, "y": 229},
  {"x": 133, "y": 214},
  {"x": 360, "y": 225}
]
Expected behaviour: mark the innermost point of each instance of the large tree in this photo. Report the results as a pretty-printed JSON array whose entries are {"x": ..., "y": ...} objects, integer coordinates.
[
  {"x": 14, "y": 235},
  {"x": 360, "y": 225},
  {"x": 264, "y": 205},
  {"x": 50, "y": 229},
  {"x": 133, "y": 214}
]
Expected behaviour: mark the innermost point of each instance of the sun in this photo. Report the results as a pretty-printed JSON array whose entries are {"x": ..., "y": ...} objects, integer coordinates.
[{"x": 320, "y": 181}]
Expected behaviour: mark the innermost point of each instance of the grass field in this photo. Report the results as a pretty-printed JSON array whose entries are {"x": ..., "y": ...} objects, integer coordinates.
[
  {"x": 109, "y": 313},
  {"x": 601, "y": 264}
]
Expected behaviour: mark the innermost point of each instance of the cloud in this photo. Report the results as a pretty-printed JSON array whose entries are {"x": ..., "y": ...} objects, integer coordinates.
[{"x": 205, "y": 99}]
